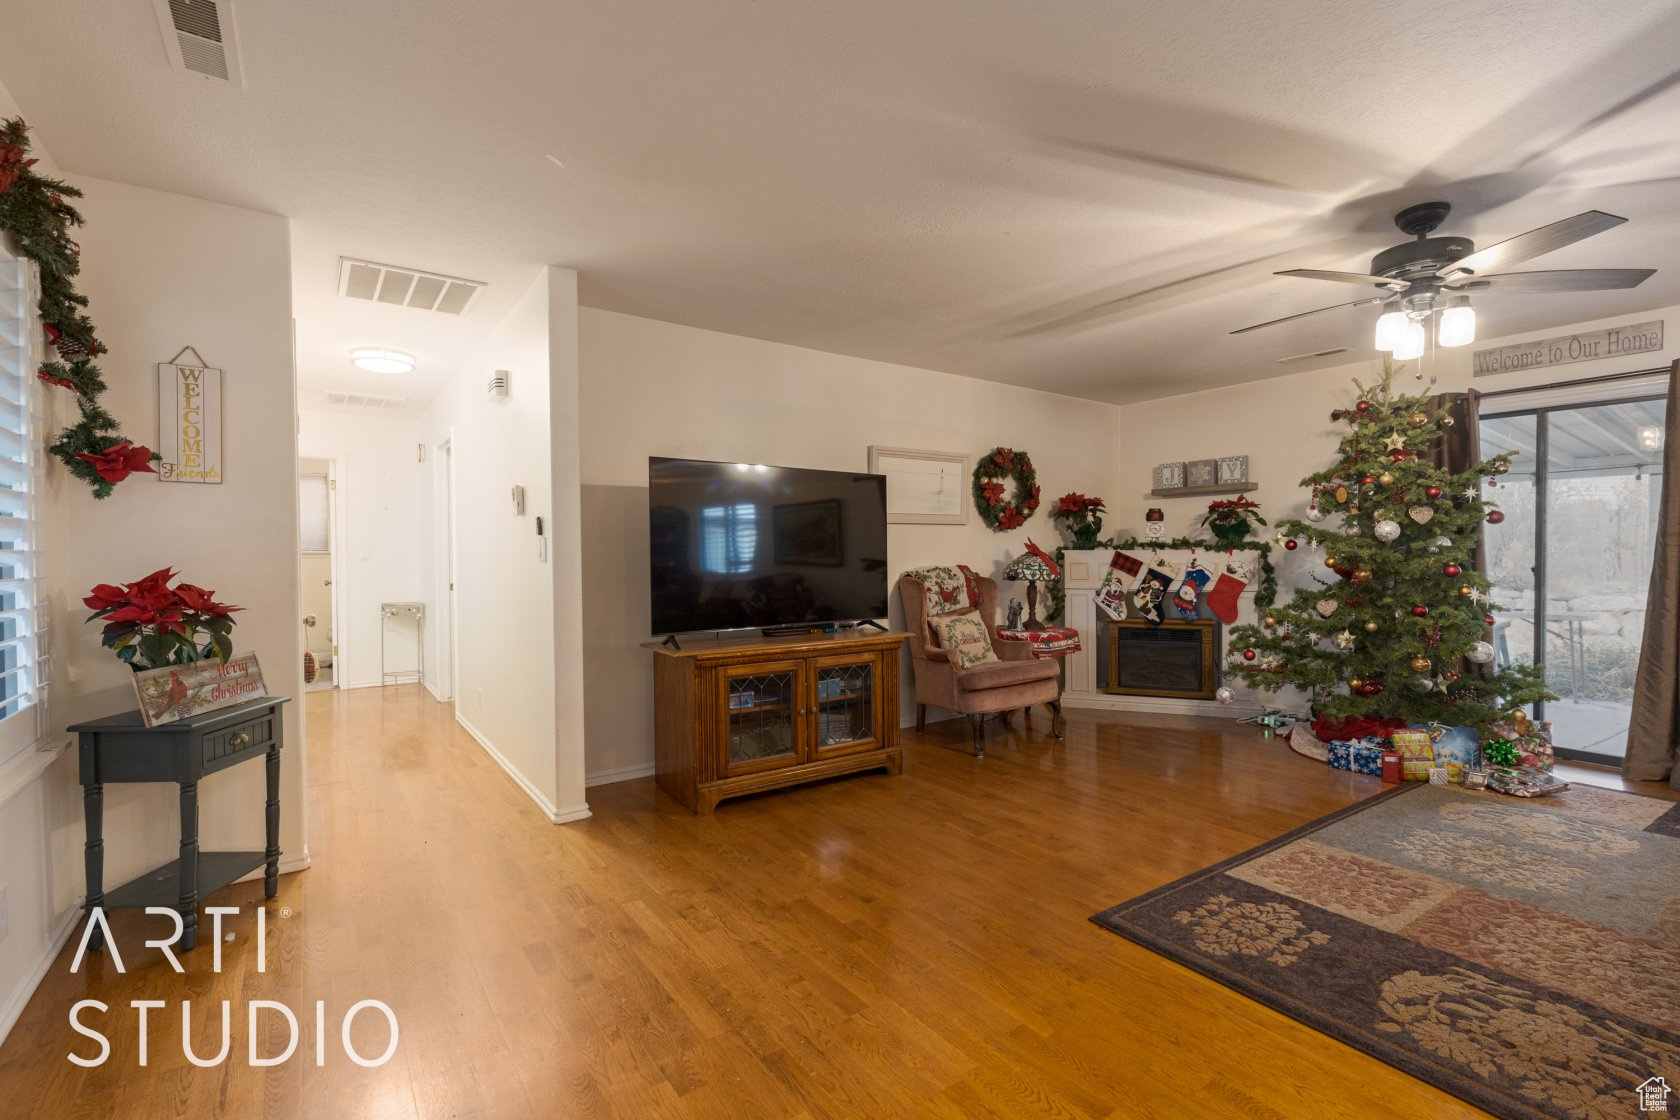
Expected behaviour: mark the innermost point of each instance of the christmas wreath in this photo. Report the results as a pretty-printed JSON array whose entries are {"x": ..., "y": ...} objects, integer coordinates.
[
  {"x": 997, "y": 512},
  {"x": 33, "y": 211}
]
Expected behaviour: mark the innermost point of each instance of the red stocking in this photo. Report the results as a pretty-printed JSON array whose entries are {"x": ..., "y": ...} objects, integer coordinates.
[{"x": 1222, "y": 599}]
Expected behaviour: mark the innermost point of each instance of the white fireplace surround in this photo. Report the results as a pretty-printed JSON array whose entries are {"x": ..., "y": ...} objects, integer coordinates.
[{"x": 1082, "y": 575}]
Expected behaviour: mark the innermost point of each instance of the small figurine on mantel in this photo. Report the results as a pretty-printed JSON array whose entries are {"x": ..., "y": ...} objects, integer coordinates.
[{"x": 1013, "y": 621}]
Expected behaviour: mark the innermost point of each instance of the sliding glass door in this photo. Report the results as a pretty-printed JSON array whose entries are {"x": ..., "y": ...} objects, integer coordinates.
[{"x": 1572, "y": 561}]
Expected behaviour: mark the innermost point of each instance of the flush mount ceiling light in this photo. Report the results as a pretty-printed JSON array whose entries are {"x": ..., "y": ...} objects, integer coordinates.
[{"x": 380, "y": 360}]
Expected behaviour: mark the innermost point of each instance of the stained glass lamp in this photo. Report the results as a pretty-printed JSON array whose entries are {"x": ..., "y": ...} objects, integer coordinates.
[{"x": 1032, "y": 567}]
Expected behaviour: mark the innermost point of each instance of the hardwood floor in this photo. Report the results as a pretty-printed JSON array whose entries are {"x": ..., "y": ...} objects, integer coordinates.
[{"x": 868, "y": 947}]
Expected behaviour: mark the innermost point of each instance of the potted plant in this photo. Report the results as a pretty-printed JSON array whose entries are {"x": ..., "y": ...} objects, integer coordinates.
[
  {"x": 1231, "y": 520},
  {"x": 149, "y": 624},
  {"x": 1081, "y": 517}
]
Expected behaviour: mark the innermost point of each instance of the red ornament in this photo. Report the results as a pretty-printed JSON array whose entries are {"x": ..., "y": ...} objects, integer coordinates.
[
  {"x": 1291, "y": 544},
  {"x": 1453, "y": 570},
  {"x": 1249, "y": 655},
  {"x": 1367, "y": 480},
  {"x": 1494, "y": 517},
  {"x": 1432, "y": 492},
  {"x": 1420, "y": 610},
  {"x": 1488, "y": 618},
  {"x": 1362, "y": 406}
]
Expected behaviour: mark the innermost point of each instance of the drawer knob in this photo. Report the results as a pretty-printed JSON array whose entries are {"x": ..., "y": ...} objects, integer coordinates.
[{"x": 239, "y": 738}]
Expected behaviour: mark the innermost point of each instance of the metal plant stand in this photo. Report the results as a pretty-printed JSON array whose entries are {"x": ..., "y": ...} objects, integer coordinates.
[{"x": 416, "y": 611}]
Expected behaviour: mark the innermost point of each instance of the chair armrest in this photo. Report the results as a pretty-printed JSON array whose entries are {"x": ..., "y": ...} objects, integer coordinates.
[{"x": 937, "y": 656}]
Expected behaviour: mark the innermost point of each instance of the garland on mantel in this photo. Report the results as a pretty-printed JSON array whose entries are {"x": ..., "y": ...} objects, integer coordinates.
[
  {"x": 34, "y": 213},
  {"x": 1264, "y": 595}
]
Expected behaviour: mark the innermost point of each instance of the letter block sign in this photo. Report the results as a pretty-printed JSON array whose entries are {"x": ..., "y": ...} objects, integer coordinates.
[{"x": 189, "y": 423}]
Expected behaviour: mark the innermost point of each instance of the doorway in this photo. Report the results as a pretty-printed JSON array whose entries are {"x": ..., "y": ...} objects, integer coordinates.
[
  {"x": 444, "y": 495},
  {"x": 1572, "y": 565},
  {"x": 317, "y": 498}
]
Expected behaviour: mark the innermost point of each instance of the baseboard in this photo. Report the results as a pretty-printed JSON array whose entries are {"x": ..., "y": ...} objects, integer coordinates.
[
  {"x": 622, "y": 774},
  {"x": 570, "y": 813},
  {"x": 13, "y": 1009},
  {"x": 1164, "y": 705},
  {"x": 519, "y": 779},
  {"x": 436, "y": 695},
  {"x": 360, "y": 684}
]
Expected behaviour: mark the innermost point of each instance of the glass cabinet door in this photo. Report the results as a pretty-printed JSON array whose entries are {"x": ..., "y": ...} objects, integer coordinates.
[
  {"x": 845, "y": 706},
  {"x": 764, "y": 715}
]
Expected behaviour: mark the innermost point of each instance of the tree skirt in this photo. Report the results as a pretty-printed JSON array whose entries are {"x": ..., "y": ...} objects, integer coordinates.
[{"x": 1523, "y": 955}]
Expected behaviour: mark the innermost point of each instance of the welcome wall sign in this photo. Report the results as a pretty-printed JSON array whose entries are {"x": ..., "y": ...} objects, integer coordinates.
[
  {"x": 189, "y": 420},
  {"x": 1587, "y": 346}
]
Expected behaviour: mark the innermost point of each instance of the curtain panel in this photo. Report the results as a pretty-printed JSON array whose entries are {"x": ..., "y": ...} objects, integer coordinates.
[{"x": 1653, "y": 732}]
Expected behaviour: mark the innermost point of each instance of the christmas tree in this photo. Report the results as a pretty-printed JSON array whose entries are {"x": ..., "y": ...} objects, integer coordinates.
[{"x": 1397, "y": 624}]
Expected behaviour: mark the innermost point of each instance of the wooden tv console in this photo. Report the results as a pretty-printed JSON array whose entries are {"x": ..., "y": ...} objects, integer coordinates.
[{"x": 733, "y": 717}]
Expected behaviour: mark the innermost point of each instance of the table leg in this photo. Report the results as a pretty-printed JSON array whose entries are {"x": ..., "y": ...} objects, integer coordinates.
[
  {"x": 271, "y": 876},
  {"x": 187, "y": 904},
  {"x": 93, "y": 854}
]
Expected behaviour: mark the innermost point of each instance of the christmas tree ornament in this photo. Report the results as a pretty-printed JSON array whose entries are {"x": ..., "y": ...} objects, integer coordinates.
[
  {"x": 1419, "y": 419},
  {"x": 1494, "y": 517},
  {"x": 1341, "y": 494},
  {"x": 1371, "y": 626},
  {"x": 1443, "y": 542},
  {"x": 1330, "y": 562},
  {"x": 1314, "y": 514},
  {"x": 1355, "y": 683},
  {"x": 1487, "y": 619},
  {"x": 1452, "y": 570},
  {"x": 1268, "y": 622},
  {"x": 1326, "y": 607},
  {"x": 1481, "y": 653},
  {"x": 1420, "y": 611},
  {"x": 1423, "y": 684},
  {"x": 1291, "y": 544},
  {"x": 1362, "y": 407},
  {"x": 1224, "y": 695},
  {"x": 1432, "y": 492},
  {"x": 1446, "y": 421},
  {"x": 1394, "y": 442},
  {"x": 1249, "y": 655},
  {"x": 1501, "y": 466},
  {"x": 1367, "y": 480},
  {"x": 1352, "y": 530},
  {"x": 1385, "y": 479},
  {"x": 1420, "y": 664},
  {"x": 1386, "y": 531},
  {"x": 1493, "y": 483},
  {"x": 1344, "y": 640},
  {"x": 1466, "y": 590},
  {"x": 1353, "y": 509},
  {"x": 1423, "y": 515},
  {"x": 1360, "y": 575}
]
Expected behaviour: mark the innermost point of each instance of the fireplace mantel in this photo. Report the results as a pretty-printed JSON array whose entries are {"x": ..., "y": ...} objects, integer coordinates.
[{"x": 1082, "y": 576}]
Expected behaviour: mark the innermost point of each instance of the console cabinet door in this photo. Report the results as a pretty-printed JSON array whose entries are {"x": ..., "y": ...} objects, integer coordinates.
[
  {"x": 845, "y": 705},
  {"x": 764, "y": 717}
]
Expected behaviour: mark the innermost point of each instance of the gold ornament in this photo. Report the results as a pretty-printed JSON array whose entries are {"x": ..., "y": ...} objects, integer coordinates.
[
  {"x": 1354, "y": 683},
  {"x": 1419, "y": 419},
  {"x": 1270, "y": 622},
  {"x": 1466, "y": 590},
  {"x": 1371, "y": 626},
  {"x": 1386, "y": 479},
  {"x": 1420, "y": 663},
  {"x": 1329, "y": 561},
  {"x": 1341, "y": 493},
  {"x": 1353, "y": 510},
  {"x": 1361, "y": 575},
  {"x": 1446, "y": 421},
  {"x": 1500, "y": 466}
]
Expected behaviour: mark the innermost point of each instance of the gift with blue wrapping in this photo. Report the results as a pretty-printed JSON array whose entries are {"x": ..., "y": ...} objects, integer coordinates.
[
  {"x": 1362, "y": 756},
  {"x": 1462, "y": 745}
]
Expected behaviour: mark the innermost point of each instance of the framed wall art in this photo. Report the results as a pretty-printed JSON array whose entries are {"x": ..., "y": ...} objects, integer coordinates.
[{"x": 923, "y": 487}]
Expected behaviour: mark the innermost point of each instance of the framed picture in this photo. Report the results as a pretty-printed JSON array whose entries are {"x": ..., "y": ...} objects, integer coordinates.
[
  {"x": 808, "y": 533},
  {"x": 1233, "y": 469},
  {"x": 1169, "y": 476},
  {"x": 1201, "y": 472},
  {"x": 923, "y": 487}
]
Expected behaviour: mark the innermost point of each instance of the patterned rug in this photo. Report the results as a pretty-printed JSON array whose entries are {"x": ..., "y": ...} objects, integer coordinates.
[{"x": 1523, "y": 955}]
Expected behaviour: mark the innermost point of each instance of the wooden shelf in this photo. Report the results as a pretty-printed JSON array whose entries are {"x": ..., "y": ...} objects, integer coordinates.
[
  {"x": 1204, "y": 491},
  {"x": 767, "y": 706}
]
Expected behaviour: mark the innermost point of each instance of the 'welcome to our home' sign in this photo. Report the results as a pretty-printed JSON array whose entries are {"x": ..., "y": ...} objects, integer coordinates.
[
  {"x": 189, "y": 423},
  {"x": 1612, "y": 342}
]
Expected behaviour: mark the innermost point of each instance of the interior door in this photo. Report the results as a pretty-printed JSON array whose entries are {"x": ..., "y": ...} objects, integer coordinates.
[
  {"x": 845, "y": 705},
  {"x": 766, "y": 717}
]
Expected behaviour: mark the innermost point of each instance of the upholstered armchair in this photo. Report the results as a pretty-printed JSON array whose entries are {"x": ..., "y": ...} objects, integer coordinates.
[{"x": 1015, "y": 680}]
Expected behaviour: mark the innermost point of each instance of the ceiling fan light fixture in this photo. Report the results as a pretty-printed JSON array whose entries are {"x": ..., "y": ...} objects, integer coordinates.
[
  {"x": 1411, "y": 342},
  {"x": 1458, "y": 324},
  {"x": 1390, "y": 326}
]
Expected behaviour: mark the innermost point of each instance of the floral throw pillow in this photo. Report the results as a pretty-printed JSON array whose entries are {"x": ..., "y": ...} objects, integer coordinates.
[{"x": 965, "y": 633}]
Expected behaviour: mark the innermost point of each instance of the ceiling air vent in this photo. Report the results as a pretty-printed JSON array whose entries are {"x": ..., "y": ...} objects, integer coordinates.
[
  {"x": 405, "y": 287},
  {"x": 360, "y": 400},
  {"x": 199, "y": 37},
  {"x": 1315, "y": 354}
]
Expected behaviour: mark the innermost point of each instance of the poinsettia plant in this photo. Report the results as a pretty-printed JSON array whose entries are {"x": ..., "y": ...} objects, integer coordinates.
[
  {"x": 151, "y": 624},
  {"x": 1231, "y": 520},
  {"x": 1082, "y": 516}
]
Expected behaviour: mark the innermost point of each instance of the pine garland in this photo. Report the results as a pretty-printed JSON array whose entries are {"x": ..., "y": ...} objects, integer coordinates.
[
  {"x": 35, "y": 214},
  {"x": 1264, "y": 595}
]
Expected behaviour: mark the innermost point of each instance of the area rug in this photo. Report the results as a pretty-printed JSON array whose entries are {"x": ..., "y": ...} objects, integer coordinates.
[{"x": 1523, "y": 955}]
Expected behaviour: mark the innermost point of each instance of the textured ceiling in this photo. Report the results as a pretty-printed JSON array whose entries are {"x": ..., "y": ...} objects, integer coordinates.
[{"x": 1082, "y": 197}]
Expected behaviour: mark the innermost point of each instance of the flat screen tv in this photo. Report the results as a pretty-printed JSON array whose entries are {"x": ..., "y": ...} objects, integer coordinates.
[{"x": 736, "y": 546}]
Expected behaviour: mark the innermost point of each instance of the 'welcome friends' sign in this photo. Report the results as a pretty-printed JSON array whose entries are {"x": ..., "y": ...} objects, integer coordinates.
[{"x": 189, "y": 423}]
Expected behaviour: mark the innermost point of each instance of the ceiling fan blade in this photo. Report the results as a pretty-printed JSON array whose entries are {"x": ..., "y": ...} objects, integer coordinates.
[
  {"x": 1560, "y": 280},
  {"x": 1348, "y": 278},
  {"x": 1534, "y": 243},
  {"x": 1304, "y": 314}
]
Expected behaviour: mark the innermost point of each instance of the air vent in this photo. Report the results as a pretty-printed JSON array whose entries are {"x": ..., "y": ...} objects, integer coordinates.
[
  {"x": 405, "y": 287},
  {"x": 1315, "y": 354},
  {"x": 359, "y": 400},
  {"x": 199, "y": 38},
  {"x": 498, "y": 386}
]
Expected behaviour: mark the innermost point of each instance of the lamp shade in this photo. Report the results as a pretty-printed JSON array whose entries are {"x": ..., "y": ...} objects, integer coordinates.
[{"x": 1030, "y": 566}]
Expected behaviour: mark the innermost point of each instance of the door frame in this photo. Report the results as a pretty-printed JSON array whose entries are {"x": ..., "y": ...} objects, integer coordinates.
[
  {"x": 337, "y": 485},
  {"x": 445, "y": 556}
]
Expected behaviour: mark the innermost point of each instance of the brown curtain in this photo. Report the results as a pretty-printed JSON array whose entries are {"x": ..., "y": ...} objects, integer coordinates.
[
  {"x": 1655, "y": 728},
  {"x": 1459, "y": 449}
]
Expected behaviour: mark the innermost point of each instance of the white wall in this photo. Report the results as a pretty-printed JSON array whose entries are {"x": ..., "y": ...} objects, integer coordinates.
[
  {"x": 163, "y": 271},
  {"x": 652, "y": 388},
  {"x": 380, "y": 540},
  {"x": 511, "y": 651}
]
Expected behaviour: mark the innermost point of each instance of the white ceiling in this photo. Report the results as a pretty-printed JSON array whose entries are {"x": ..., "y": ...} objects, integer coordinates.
[{"x": 1082, "y": 196}]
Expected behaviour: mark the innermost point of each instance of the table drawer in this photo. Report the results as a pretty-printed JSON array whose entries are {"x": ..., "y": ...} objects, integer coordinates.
[{"x": 239, "y": 738}]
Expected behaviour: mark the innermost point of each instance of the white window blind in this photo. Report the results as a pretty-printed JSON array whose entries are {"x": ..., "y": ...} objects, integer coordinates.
[
  {"x": 313, "y": 513},
  {"x": 23, "y": 636}
]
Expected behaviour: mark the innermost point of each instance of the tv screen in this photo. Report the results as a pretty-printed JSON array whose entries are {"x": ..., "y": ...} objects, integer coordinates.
[{"x": 741, "y": 545}]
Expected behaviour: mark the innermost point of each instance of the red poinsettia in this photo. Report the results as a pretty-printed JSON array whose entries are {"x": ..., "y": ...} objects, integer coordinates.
[
  {"x": 1075, "y": 502},
  {"x": 149, "y": 623},
  {"x": 62, "y": 382},
  {"x": 1010, "y": 518},
  {"x": 1083, "y": 517},
  {"x": 993, "y": 491},
  {"x": 1004, "y": 458},
  {"x": 12, "y": 165},
  {"x": 119, "y": 461}
]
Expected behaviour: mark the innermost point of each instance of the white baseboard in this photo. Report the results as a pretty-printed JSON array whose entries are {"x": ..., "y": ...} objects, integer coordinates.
[
  {"x": 14, "y": 1006},
  {"x": 622, "y": 774},
  {"x": 554, "y": 814},
  {"x": 436, "y": 695}
]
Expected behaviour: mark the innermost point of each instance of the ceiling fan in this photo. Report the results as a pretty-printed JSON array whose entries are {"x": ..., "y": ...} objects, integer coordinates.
[{"x": 1429, "y": 274}]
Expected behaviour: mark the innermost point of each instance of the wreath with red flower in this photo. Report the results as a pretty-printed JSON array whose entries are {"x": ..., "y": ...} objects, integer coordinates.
[{"x": 997, "y": 509}]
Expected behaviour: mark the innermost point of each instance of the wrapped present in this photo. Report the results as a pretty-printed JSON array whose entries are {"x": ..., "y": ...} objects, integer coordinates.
[
  {"x": 1525, "y": 781},
  {"x": 1391, "y": 767},
  {"x": 1438, "y": 776},
  {"x": 1358, "y": 755},
  {"x": 1475, "y": 779},
  {"x": 1533, "y": 742},
  {"x": 1462, "y": 745},
  {"x": 1417, "y": 754}
]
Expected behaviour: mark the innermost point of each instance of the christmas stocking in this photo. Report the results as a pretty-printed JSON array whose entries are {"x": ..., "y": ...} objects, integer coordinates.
[
  {"x": 1189, "y": 593},
  {"x": 1111, "y": 596},
  {"x": 1222, "y": 600},
  {"x": 1150, "y": 599}
]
